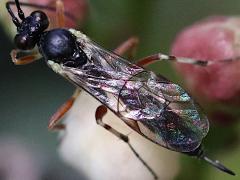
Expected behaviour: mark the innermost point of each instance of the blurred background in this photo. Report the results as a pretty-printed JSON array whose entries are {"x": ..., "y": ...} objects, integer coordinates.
[{"x": 30, "y": 94}]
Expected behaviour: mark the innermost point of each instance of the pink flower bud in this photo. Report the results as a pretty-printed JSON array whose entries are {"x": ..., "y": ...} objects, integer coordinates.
[
  {"x": 215, "y": 38},
  {"x": 222, "y": 118}
]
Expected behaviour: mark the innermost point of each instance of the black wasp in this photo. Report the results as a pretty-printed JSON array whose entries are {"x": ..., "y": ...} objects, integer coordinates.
[{"x": 151, "y": 105}]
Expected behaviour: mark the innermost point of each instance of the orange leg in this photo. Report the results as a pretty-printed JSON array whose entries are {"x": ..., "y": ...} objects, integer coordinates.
[
  {"x": 162, "y": 57},
  {"x": 128, "y": 45},
  {"x": 62, "y": 110},
  {"x": 60, "y": 17},
  {"x": 33, "y": 56}
]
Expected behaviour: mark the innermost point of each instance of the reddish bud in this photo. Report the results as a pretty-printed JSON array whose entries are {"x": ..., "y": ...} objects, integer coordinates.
[
  {"x": 222, "y": 118},
  {"x": 214, "y": 39}
]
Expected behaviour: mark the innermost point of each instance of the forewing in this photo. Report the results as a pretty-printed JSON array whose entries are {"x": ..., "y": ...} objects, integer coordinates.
[{"x": 164, "y": 112}]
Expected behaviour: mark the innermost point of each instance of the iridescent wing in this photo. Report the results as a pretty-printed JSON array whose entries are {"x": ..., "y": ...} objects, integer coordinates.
[
  {"x": 161, "y": 110},
  {"x": 165, "y": 113}
]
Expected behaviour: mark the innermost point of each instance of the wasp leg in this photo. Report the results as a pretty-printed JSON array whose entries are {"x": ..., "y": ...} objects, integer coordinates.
[
  {"x": 60, "y": 16},
  {"x": 162, "y": 57},
  {"x": 62, "y": 110},
  {"x": 33, "y": 56},
  {"x": 128, "y": 45},
  {"x": 100, "y": 112}
]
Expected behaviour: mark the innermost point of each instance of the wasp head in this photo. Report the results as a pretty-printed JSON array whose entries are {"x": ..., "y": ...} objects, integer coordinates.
[{"x": 29, "y": 29}]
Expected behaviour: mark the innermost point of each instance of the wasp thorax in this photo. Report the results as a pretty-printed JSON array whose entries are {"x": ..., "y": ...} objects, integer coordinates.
[
  {"x": 60, "y": 46},
  {"x": 30, "y": 30},
  {"x": 57, "y": 44}
]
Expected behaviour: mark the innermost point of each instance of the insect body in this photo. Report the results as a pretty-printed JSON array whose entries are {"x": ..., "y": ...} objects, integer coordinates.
[
  {"x": 154, "y": 107},
  {"x": 162, "y": 111}
]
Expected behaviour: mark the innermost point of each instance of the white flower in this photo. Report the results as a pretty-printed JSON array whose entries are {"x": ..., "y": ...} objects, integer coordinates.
[{"x": 98, "y": 154}]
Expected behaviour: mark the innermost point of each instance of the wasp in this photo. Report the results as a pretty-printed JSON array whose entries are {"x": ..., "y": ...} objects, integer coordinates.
[{"x": 151, "y": 105}]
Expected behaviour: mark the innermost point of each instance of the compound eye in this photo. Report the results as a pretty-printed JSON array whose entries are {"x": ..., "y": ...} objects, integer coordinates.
[
  {"x": 24, "y": 42},
  {"x": 40, "y": 17}
]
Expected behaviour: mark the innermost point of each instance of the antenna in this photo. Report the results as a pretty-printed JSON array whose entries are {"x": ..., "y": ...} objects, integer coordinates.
[
  {"x": 14, "y": 18},
  {"x": 20, "y": 12}
]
